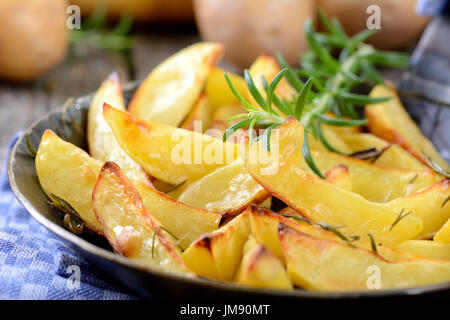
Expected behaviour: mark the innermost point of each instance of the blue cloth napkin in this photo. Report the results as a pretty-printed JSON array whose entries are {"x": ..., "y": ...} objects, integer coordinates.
[
  {"x": 34, "y": 264},
  {"x": 432, "y": 7}
]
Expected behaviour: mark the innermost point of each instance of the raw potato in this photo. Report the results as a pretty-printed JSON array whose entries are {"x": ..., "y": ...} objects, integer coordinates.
[
  {"x": 70, "y": 173},
  {"x": 131, "y": 229},
  {"x": 390, "y": 121},
  {"x": 393, "y": 155},
  {"x": 443, "y": 235},
  {"x": 199, "y": 119},
  {"x": 427, "y": 205},
  {"x": 321, "y": 201},
  {"x": 102, "y": 144},
  {"x": 374, "y": 182},
  {"x": 219, "y": 92},
  {"x": 227, "y": 190},
  {"x": 249, "y": 27},
  {"x": 184, "y": 222},
  {"x": 426, "y": 248},
  {"x": 217, "y": 255},
  {"x": 158, "y": 148},
  {"x": 169, "y": 92},
  {"x": 159, "y": 11},
  {"x": 261, "y": 269},
  {"x": 400, "y": 24},
  {"x": 324, "y": 265},
  {"x": 33, "y": 37}
]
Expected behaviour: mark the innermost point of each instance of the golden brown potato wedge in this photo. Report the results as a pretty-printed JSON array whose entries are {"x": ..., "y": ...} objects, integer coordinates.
[
  {"x": 217, "y": 255},
  {"x": 390, "y": 121},
  {"x": 393, "y": 155},
  {"x": 443, "y": 235},
  {"x": 426, "y": 248},
  {"x": 167, "y": 153},
  {"x": 70, "y": 173},
  {"x": 199, "y": 119},
  {"x": 340, "y": 177},
  {"x": 227, "y": 190},
  {"x": 261, "y": 269},
  {"x": 324, "y": 265},
  {"x": 330, "y": 135},
  {"x": 220, "y": 117},
  {"x": 374, "y": 182},
  {"x": 102, "y": 144},
  {"x": 426, "y": 204},
  {"x": 183, "y": 222},
  {"x": 131, "y": 230},
  {"x": 219, "y": 92},
  {"x": 321, "y": 201},
  {"x": 168, "y": 94}
]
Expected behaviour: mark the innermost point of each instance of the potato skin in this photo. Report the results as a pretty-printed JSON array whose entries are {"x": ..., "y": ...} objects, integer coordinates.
[
  {"x": 400, "y": 25},
  {"x": 33, "y": 37}
]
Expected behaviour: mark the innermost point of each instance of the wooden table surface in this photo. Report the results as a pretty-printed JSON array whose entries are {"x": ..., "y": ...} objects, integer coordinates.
[{"x": 82, "y": 72}]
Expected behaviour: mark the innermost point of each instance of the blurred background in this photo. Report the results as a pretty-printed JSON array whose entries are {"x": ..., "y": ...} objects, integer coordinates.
[{"x": 43, "y": 62}]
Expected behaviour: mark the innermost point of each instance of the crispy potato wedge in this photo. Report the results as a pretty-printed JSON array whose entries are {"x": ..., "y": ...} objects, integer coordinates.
[
  {"x": 102, "y": 144},
  {"x": 261, "y": 269},
  {"x": 70, "y": 173},
  {"x": 169, "y": 92},
  {"x": 222, "y": 114},
  {"x": 267, "y": 66},
  {"x": 227, "y": 190},
  {"x": 167, "y": 153},
  {"x": 129, "y": 227},
  {"x": 393, "y": 155},
  {"x": 443, "y": 235},
  {"x": 183, "y": 222},
  {"x": 219, "y": 92},
  {"x": 325, "y": 265},
  {"x": 201, "y": 114},
  {"x": 426, "y": 248},
  {"x": 427, "y": 205},
  {"x": 374, "y": 182},
  {"x": 390, "y": 121},
  {"x": 217, "y": 255},
  {"x": 340, "y": 177},
  {"x": 321, "y": 201}
]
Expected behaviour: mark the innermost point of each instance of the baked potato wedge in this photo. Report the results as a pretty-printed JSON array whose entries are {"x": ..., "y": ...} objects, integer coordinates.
[
  {"x": 200, "y": 117},
  {"x": 220, "y": 118},
  {"x": 169, "y": 92},
  {"x": 183, "y": 222},
  {"x": 443, "y": 235},
  {"x": 340, "y": 177},
  {"x": 69, "y": 173},
  {"x": 426, "y": 204},
  {"x": 324, "y": 265},
  {"x": 129, "y": 227},
  {"x": 165, "y": 152},
  {"x": 102, "y": 144},
  {"x": 217, "y": 255},
  {"x": 218, "y": 91},
  {"x": 261, "y": 269},
  {"x": 426, "y": 248},
  {"x": 321, "y": 201},
  {"x": 390, "y": 121}
]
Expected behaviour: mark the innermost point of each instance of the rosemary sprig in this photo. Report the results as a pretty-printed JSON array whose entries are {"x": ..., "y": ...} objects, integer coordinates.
[
  {"x": 445, "y": 201},
  {"x": 399, "y": 218},
  {"x": 72, "y": 220},
  {"x": 373, "y": 244},
  {"x": 436, "y": 168},
  {"x": 155, "y": 231},
  {"x": 327, "y": 87},
  {"x": 175, "y": 187}
]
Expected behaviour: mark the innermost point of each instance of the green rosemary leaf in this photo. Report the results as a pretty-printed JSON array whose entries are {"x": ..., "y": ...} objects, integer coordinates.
[
  {"x": 445, "y": 201},
  {"x": 302, "y": 98},
  {"x": 175, "y": 187},
  {"x": 388, "y": 59},
  {"x": 362, "y": 36},
  {"x": 250, "y": 130},
  {"x": 124, "y": 26},
  {"x": 361, "y": 100},
  {"x": 339, "y": 122},
  {"x": 325, "y": 141},
  {"x": 266, "y": 136},
  {"x": 254, "y": 91},
  {"x": 244, "y": 102},
  {"x": 298, "y": 218},
  {"x": 239, "y": 116},
  {"x": 290, "y": 74},
  {"x": 399, "y": 218},
  {"x": 308, "y": 158},
  {"x": 238, "y": 125},
  {"x": 370, "y": 73},
  {"x": 153, "y": 242},
  {"x": 414, "y": 178},
  {"x": 433, "y": 165},
  {"x": 30, "y": 146},
  {"x": 281, "y": 105},
  {"x": 373, "y": 243},
  {"x": 320, "y": 51},
  {"x": 273, "y": 85}
]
